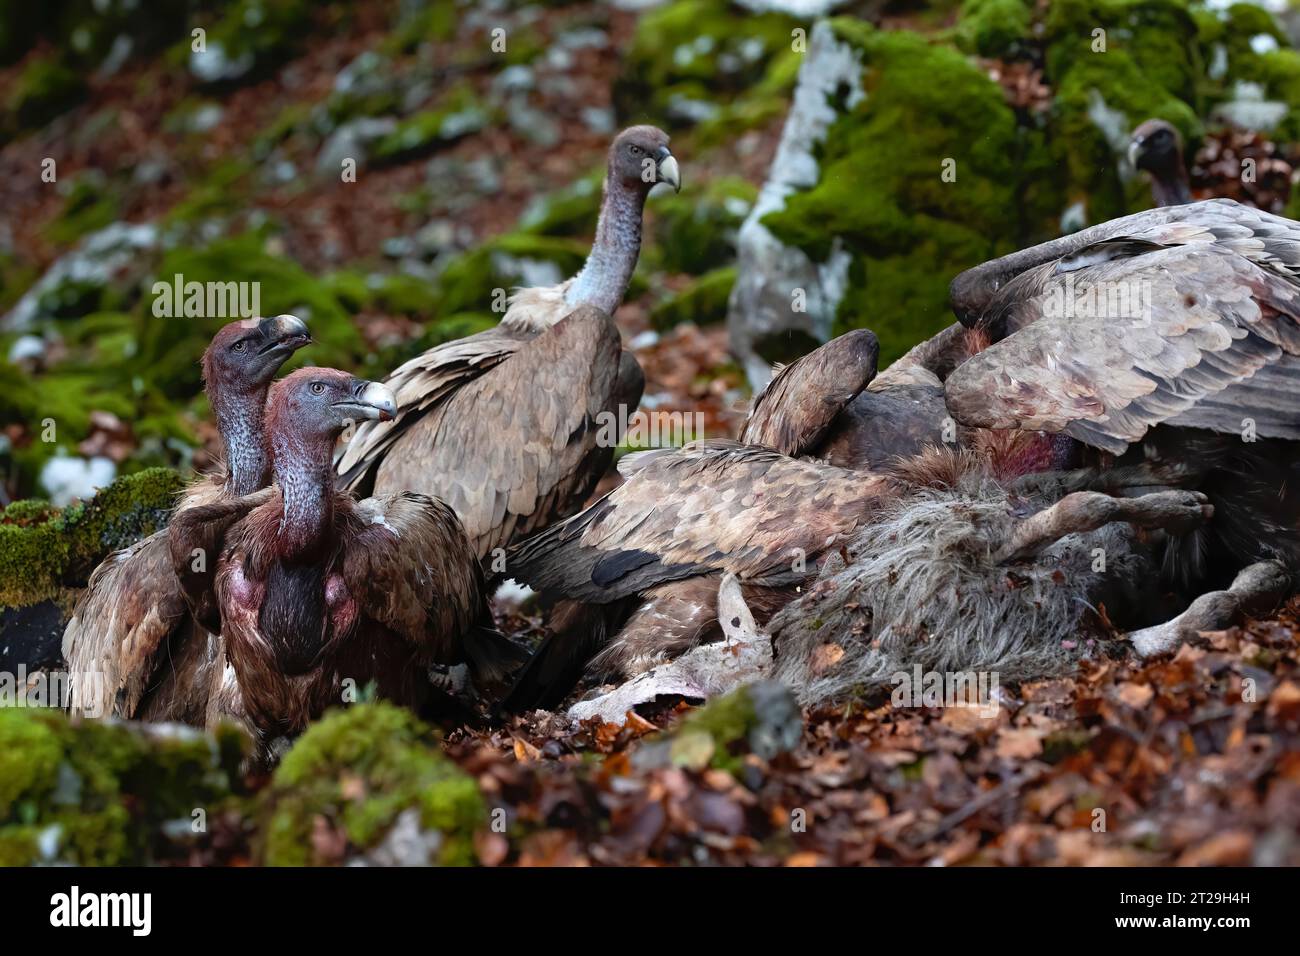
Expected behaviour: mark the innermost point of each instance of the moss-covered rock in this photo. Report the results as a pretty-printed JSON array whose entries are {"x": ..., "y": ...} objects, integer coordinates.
[
  {"x": 696, "y": 232},
  {"x": 43, "y": 550},
  {"x": 928, "y": 173},
  {"x": 458, "y": 114},
  {"x": 98, "y": 793},
  {"x": 995, "y": 28},
  {"x": 760, "y": 718},
  {"x": 352, "y": 775},
  {"x": 703, "y": 302},
  {"x": 1113, "y": 64},
  {"x": 690, "y": 56}
]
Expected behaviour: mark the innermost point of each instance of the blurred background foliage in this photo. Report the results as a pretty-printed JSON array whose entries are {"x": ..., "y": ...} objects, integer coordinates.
[{"x": 478, "y": 170}]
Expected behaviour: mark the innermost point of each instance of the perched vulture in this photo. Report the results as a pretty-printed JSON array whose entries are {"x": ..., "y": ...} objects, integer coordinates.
[
  {"x": 654, "y": 549},
  {"x": 1157, "y": 148},
  {"x": 502, "y": 425},
  {"x": 131, "y": 624},
  {"x": 316, "y": 589},
  {"x": 1170, "y": 339}
]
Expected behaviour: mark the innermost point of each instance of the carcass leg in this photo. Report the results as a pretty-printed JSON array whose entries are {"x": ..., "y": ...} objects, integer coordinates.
[
  {"x": 1175, "y": 511},
  {"x": 1257, "y": 588}
]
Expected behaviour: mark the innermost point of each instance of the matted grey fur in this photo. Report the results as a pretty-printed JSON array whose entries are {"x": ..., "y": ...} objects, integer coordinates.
[{"x": 923, "y": 587}]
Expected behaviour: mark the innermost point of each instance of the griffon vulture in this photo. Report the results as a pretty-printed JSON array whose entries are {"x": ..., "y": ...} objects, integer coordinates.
[
  {"x": 130, "y": 625},
  {"x": 502, "y": 425},
  {"x": 316, "y": 589}
]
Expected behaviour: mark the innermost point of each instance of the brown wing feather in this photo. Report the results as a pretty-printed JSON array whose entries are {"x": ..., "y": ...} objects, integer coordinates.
[
  {"x": 521, "y": 445},
  {"x": 801, "y": 402},
  {"x": 1210, "y": 318},
  {"x": 713, "y": 505},
  {"x": 421, "y": 386},
  {"x": 133, "y": 605},
  {"x": 412, "y": 569}
]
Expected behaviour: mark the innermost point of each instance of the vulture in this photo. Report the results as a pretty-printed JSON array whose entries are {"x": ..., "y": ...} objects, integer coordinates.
[
  {"x": 131, "y": 625},
  {"x": 1157, "y": 148},
  {"x": 646, "y": 559},
  {"x": 319, "y": 593},
  {"x": 1167, "y": 344},
  {"x": 502, "y": 425}
]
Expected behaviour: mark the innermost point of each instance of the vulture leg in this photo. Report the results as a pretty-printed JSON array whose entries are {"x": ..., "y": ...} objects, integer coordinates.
[
  {"x": 1175, "y": 511},
  {"x": 1258, "y": 588}
]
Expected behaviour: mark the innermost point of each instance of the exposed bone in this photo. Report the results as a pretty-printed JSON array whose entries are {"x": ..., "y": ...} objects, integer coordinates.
[
  {"x": 703, "y": 672},
  {"x": 1258, "y": 588},
  {"x": 1176, "y": 511}
]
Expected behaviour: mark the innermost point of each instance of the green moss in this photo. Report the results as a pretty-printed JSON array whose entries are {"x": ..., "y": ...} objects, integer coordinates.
[
  {"x": 458, "y": 114},
  {"x": 169, "y": 349},
  {"x": 356, "y": 771},
  {"x": 707, "y": 51},
  {"x": 267, "y": 31},
  {"x": 882, "y": 190},
  {"x": 995, "y": 28},
  {"x": 696, "y": 232},
  {"x": 703, "y": 302},
  {"x": 90, "y": 204},
  {"x": 42, "y": 551},
  {"x": 759, "y": 718},
  {"x": 1150, "y": 67},
  {"x": 102, "y": 791},
  {"x": 45, "y": 88}
]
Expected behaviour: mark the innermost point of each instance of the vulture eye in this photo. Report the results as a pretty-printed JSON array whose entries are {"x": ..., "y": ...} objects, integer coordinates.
[
  {"x": 634, "y": 149},
  {"x": 239, "y": 346},
  {"x": 318, "y": 388}
]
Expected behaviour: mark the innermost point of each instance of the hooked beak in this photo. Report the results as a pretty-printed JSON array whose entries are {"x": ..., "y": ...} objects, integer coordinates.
[
  {"x": 284, "y": 334},
  {"x": 667, "y": 169},
  {"x": 1134, "y": 151},
  {"x": 371, "y": 400}
]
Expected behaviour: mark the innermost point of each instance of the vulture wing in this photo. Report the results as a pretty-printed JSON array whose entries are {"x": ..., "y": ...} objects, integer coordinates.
[
  {"x": 712, "y": 505},
  {"x": 1190, "y": 324},
  {"x": 411, "y": 568},
  {"x": 1262, "y": 237},
  {"x": 801, "y": 402},
  {"x": 522, "y": 444},
  {"x": 113, "y": 640},
  {"x": 119, "y": 633},
  {"x": 420, "y": 386}
]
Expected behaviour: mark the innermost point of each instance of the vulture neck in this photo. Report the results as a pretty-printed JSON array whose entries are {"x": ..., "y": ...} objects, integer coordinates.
[
  {"x": 239, "y": 420},
  {"x": 1170, "y": 187},
  {"x": 603, "y": 280},
  {"x": 306, "y": 478}
]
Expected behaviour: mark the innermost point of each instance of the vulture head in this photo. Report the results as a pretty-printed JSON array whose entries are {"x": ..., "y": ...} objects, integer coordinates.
[
  {"x": 313, "y": 406},
  {"x": 639, "y": 158},
  {"x": 1157, "y": 148},
  {"x": 245, "y": 355}
]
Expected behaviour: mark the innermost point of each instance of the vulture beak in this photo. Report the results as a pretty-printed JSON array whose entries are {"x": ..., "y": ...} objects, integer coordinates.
[
  {"x": 1134, "y": 151},
  {"x": 372, "y": 400},
  {"x": 283, "y": 333},
  {"x": 667, "y": 168}
]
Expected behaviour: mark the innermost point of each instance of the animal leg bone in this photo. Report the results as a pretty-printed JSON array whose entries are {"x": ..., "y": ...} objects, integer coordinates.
[
  {"x": 1176, "y": 511},
  {"x": 1257, "y": 588},
  {"x": 703, "y": 672}
]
